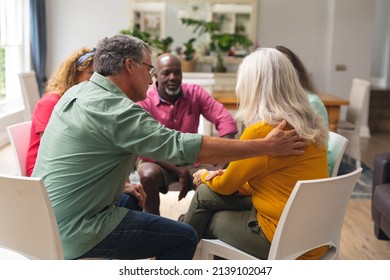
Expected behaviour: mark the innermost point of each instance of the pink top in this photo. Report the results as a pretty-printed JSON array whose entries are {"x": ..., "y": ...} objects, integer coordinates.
[
  {"x": 40, "y": 119},
  {"x": 184, "y": 114}
]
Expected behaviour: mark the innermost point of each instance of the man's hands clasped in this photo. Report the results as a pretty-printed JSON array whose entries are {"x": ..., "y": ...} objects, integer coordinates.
[{"x": 137, "y": 191}]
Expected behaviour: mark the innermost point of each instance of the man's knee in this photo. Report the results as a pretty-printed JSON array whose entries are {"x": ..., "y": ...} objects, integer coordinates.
[{"x": 149, "y": 172}]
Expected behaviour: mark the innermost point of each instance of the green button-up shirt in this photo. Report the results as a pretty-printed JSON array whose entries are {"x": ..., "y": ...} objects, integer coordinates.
[{"x": 88, "y": 150}]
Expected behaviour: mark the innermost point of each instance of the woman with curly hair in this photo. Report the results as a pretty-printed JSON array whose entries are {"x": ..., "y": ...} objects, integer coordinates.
[{"x": 77, "y": 68}]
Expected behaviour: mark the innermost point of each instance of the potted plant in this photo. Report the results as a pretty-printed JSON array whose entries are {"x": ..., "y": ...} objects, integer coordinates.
[
  {"x": 162, "y": 45},
  {"x": 188, "y": 59},
  {"x": 189, "y": 51},
  {"x": 144, "y": 36},
  {"x": 220, "y": 43}
]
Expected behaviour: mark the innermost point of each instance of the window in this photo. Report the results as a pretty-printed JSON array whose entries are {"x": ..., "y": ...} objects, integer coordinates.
[{"x": 13, "y": 50}]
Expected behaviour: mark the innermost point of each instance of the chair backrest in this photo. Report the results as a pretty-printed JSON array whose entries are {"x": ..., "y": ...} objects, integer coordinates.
[
  {"x": 30, "y": 91},
  {"x": 336, "y": 145},
  {"x": 357, "y": 99},
  {"x": 208, "y": 248},
  {"x": 6, "y": 254},
  {"x": 19, "y": 136},
  {"x": 313, "y": 217},
  {"x": 207, "y": 81},
  {"x": 27, "y": 221}
]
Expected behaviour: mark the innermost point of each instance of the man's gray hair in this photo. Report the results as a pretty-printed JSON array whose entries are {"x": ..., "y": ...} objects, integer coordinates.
[{"x": 111, "y": 53}]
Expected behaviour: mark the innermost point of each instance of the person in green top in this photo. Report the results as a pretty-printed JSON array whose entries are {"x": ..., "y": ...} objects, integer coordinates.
[
  {"x": 314, "y": 100},
  {"x": 91, "y": 143}
]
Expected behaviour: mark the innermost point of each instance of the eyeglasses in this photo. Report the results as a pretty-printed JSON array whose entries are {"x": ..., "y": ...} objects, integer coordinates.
[{"x": 152, "y": 70}]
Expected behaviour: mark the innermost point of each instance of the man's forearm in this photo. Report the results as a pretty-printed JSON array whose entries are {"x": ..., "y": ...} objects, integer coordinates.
[
  {"x": 278, "y": 143},
  {"x": 220, "y": 150}
]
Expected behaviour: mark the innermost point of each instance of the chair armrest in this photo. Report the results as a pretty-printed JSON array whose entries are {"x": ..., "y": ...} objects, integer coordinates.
[{"x": 381, "y": 171}]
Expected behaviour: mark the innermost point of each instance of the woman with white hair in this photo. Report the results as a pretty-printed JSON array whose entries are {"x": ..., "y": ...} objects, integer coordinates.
[{"x": 243, "y": 204}]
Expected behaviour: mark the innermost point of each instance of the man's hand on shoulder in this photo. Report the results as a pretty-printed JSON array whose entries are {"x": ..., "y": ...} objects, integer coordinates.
[{"x": 285, "y": 142}]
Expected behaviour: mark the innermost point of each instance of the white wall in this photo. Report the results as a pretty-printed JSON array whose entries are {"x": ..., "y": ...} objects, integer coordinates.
[
  {"x": 381, "y": 38},
  {"x": 299, "y": 25},
  {"x": 352, "y": 46},
  {"x": 72, "y": 24},
  {"x": 324, "y": 33}
]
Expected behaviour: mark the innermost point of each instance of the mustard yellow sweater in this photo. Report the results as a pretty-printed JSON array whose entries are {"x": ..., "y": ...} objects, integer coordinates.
[{"x": 270, "y": 180}]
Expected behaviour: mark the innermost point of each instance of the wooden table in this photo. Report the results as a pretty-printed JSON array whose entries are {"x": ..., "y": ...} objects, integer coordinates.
[{"x": 332, "y": 103}]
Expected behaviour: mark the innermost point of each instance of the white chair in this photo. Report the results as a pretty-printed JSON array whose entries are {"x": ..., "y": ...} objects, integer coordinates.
[
  {"x": 6, "y": 254},
  {"x": 30, "y": 91},
  {"x": 207, "y": 81},
  {"x": 336, "y": 144},
  {"x": 27, "y": 223},
  {"x": 209, "y": 248},
  {"x": 19, "y": 136},
  {"x": 312, "y": 217},
  {"x": 350, "y": 127}
]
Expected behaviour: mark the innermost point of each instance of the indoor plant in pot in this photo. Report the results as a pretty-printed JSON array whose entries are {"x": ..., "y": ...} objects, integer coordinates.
[
  {"x": 220, "y": 43},
  {"x": 162, "y": 45},
  {"x": 188, "y": 59}
]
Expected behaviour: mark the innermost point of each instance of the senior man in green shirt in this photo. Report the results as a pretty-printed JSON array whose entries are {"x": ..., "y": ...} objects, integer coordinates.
[{"x": 94, "y": 136}]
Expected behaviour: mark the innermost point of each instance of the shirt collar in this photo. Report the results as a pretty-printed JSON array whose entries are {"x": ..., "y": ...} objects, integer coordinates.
[{"x": 105, "y": 83}]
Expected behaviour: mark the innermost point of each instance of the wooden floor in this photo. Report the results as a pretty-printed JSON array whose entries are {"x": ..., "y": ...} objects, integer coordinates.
[{"x": 357, "y": 241}]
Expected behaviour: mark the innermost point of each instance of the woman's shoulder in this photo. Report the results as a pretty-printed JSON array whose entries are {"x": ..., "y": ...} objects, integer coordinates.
[
  {"x": 49, "y": 98},
  {"x": 314, "y": 98},
  {"x": 51, "y": 95},
  {"x": 257, "y": 130}
]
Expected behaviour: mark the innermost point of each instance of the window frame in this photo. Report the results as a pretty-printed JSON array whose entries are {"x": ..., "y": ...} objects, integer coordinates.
[{"x": 17, "y": 57}]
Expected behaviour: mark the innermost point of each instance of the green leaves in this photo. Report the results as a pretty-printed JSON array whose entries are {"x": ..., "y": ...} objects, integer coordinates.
[
  {"x": 202, "y": 26},
  {"x": 218, "y": 41},
  {"x": 189, "y": 49},
  {"x": 160, "y": 44}
]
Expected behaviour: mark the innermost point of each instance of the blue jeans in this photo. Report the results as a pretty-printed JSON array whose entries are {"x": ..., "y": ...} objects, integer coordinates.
[{"x": 142, "y": 235}]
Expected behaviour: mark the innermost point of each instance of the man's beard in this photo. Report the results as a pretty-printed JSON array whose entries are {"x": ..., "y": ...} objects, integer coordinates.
[{"x": 172, "y": 92}]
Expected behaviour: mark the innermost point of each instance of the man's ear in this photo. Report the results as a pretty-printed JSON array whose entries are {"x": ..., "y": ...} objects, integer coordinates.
[{"x": 129, "y": 64}]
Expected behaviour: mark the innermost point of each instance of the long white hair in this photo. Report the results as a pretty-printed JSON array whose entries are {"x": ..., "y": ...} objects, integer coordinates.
[{"x": 269, "y": 90}]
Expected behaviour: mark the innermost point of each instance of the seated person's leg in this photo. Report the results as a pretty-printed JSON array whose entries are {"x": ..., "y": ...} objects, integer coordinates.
[
  {"x": 141, "y": 235},
  {"x": 239, "y": 229},
  {"x": 129, "y": 202},
  {"x": 206, "y": 202},
  {"x": 152, "y": 179}
]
